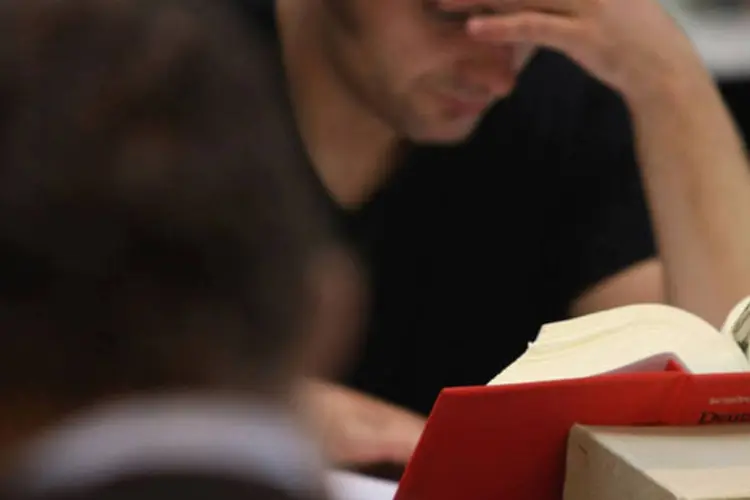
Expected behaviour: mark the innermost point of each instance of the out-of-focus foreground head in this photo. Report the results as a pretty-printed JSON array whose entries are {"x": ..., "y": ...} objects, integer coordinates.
[{"x": 154, "y": 234}]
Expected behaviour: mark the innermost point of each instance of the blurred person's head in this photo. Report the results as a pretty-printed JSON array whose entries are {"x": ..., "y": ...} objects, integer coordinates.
[
  {"x": 411, "y": 62},
  {"x": 154, "y": 236}
]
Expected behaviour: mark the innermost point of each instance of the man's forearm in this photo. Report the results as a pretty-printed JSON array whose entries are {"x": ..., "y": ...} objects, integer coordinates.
[{"x": 697, "y": 180}]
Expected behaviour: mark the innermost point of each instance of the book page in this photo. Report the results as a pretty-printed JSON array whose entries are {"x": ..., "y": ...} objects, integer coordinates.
[
  {"x": 737, "y": 326},
  {"x": 655, "y": 363}
]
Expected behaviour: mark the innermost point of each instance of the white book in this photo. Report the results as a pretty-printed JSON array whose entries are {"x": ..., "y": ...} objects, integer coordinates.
[
  {"x": 659, "y": 463},
  {"x": 634, "y": 338}
]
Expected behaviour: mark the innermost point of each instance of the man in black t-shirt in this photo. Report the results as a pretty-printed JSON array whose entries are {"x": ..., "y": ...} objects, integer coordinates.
[{"x": 500, "y": 165}]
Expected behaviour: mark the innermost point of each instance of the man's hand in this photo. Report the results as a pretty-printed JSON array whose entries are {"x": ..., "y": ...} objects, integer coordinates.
[
  {"x": 625, "y": 43},
  {"x": 692, "y": 159},
  {"x": 359, "y": 430}
]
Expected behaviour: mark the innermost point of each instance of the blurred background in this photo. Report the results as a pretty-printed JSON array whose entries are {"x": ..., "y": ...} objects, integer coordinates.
[{"x": 720, "y": 30}]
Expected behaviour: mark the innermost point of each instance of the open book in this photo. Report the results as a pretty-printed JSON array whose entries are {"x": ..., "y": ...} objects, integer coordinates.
[
  {"x": 634, "y": 338},
  {"x": 636, "y": 366}
]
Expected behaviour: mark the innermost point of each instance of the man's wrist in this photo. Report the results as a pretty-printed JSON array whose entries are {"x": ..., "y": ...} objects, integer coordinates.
[
  {"x": 683, "y": 125},
  {"x": 672, "y": 86}
]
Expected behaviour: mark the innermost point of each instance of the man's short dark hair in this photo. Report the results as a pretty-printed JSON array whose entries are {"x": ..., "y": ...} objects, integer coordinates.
[{"x": 154, "y": 231}]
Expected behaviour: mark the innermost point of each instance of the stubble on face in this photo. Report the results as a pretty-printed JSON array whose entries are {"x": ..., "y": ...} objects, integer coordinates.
[{"x": 407, "y": 69}]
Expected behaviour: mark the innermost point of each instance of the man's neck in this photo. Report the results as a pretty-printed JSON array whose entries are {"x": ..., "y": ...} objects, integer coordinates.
[{"x": 351, "y": 149}]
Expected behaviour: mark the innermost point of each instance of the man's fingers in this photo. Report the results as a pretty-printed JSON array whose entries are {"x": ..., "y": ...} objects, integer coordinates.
[
  {"x": 358, "y": 442},
  {"x": 358, "y": 429},
  {"x": 555, "y": 32}
]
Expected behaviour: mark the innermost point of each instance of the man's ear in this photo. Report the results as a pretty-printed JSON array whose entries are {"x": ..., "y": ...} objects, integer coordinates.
[{"x": 339, "y": 297}]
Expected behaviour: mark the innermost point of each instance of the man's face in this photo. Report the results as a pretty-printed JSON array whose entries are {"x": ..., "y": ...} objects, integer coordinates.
[{"x": 412, "y": 63}]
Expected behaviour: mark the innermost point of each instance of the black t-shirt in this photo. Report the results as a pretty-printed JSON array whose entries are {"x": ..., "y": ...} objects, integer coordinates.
[{"x": 471, "y": 248}]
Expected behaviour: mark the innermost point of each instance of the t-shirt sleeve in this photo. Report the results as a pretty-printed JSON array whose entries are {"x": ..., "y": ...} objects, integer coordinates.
[{"x": 598, "y": 220}]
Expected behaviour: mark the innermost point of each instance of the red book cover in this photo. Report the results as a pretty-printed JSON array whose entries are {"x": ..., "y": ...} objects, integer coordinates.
[{"x": 509, "y": 442}]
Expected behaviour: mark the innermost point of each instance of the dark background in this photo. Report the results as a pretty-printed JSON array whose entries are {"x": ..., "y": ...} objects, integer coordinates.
[{"x": 737, "y": 96}]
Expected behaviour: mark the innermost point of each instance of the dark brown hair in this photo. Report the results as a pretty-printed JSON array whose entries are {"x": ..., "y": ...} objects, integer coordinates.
[{"x": 153, "y": 229}]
